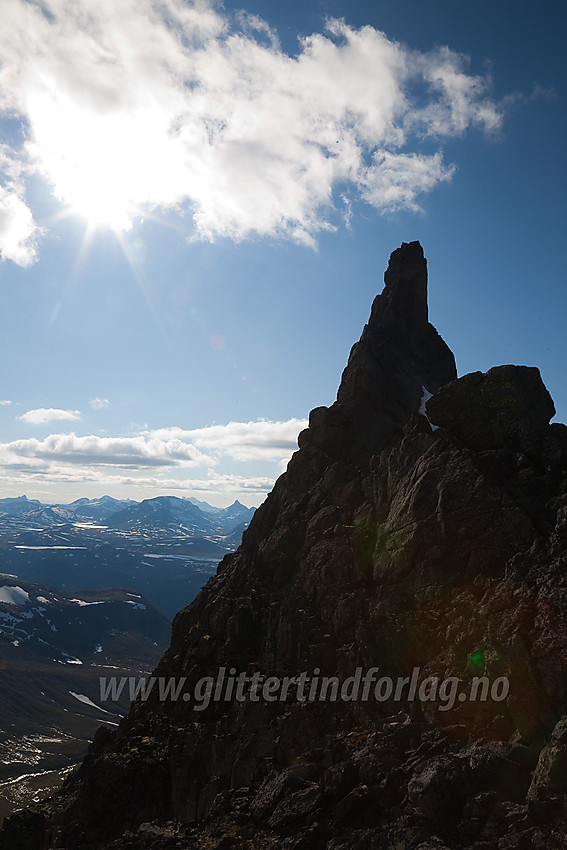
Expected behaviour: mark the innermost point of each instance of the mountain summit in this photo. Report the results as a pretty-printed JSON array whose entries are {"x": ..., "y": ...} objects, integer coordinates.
[
  {"x": 399, "y": 356},
  {"x": 412, "y": 557}
]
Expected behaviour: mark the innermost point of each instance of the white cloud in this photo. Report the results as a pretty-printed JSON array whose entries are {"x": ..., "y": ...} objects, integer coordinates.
[
  {"x": 137, "y": 105},
  {"x": 396, "y": 180},
  {"x": 222, "y": 483},
  {"x": 5, "y": 403},
  {"x": 18, "y": 230},
  {"x": 461, "y": 101},
  {"x": 243, "y": 441},
  {"x": 94, "y": 450},
  {"x": 48, "y": 414},
  {"x": 99, "y": 403}
]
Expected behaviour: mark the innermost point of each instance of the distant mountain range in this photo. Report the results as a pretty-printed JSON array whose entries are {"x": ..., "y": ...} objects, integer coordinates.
[
  {"x": 162, "y": 511},
  {"x": 172, "y": 512},
  {"x": 166, "y": 547}
]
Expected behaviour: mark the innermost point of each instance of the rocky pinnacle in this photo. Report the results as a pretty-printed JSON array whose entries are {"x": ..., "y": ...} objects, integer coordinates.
[{"x": 398, "y": 356}]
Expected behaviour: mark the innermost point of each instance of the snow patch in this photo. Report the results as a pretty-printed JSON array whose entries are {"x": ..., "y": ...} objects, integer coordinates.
[
  {"x": 88, "y": 525},
  {"x": 9, "y": 618},
  {"x": 81, "y": 603},
  {"x": 14, "y": 595},
  {"x": 84, "y": 699},
  {"x": 70, "y": 659},
  {"x": 170, "y": 557},
  {"x": 426, "y": 395},
  {"x": 49, "y": 547}
]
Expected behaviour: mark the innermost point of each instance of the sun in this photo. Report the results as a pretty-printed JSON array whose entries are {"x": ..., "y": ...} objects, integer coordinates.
[
  {"x": 94, "y": 173},
  {"x": 100, "y": 204},
  {"x": 106, "y": 162},
  {"x": 92, "y": 159}
]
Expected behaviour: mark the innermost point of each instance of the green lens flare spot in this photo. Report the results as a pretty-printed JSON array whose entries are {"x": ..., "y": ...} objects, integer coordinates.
[{"x": 476, "y": 660}]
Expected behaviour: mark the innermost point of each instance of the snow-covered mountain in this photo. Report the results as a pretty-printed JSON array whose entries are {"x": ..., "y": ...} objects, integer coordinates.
[
  {"x": 173, "y": 512},
  {"x": 195, "y": 516},
  {"x": 99, "y": 509},
  {"x": 18, "y": 505},
  {"x": 165, "y": 512},
  {"x": 233, "y": 515}
]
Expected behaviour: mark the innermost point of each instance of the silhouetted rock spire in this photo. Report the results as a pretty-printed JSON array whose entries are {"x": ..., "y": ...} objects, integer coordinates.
[{"x": 398, "y": 356}]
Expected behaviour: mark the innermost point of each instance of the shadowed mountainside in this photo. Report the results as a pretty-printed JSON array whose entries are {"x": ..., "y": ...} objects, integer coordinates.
[{"x": 409, "y": 533}]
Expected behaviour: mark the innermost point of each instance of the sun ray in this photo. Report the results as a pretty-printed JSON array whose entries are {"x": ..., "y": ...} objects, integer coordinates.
[{"x": 145, "y": 287}]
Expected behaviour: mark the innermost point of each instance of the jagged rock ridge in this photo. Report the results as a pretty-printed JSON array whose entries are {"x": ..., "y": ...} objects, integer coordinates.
[{"x": 386, "y": 544}]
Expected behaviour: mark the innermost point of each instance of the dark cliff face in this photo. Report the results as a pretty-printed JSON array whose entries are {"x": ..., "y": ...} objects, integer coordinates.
[{"x": 388, "y": 544}]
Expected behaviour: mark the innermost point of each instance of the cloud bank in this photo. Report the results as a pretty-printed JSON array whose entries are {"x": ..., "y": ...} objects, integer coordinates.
[
  {"x": 242, "y": 441},
  {"x": 137, "y": 452},
  {"x": 137, "y": 106},
  {"x": 170, "y": 454}
]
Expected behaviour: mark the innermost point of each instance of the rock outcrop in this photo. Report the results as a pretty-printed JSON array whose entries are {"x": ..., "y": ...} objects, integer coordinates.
[{"x": 416, "y": 544}]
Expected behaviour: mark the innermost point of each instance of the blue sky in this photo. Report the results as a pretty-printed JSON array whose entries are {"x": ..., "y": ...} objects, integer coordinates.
[{"x": 198, "y": 202}]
